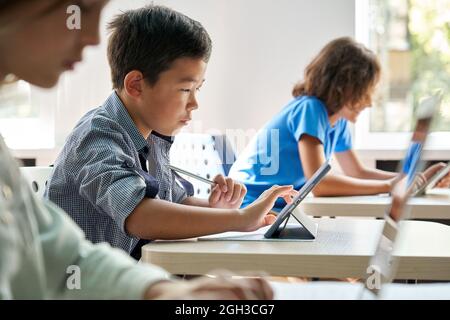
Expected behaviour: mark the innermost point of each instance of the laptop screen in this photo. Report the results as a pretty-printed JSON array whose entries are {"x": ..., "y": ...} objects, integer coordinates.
[
  {"x": 410, "y": 181},
  {"x": 382, "y": 267}
]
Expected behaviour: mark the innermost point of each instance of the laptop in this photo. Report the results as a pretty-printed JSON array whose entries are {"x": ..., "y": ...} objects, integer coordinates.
[
  {"x": 433, "y": 103},
  {"x": 305, "y": 229},
  {"x": 383, "y": 265}
]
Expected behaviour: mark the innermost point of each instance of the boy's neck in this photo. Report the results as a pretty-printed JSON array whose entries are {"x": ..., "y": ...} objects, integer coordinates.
[{"x": 143, "y": 129}]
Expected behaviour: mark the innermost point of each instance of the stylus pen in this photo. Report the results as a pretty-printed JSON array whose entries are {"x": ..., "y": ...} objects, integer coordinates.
[{"x": 192, "y": 175}]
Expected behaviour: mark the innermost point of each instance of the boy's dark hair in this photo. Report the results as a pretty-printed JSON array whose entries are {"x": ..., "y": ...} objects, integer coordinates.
[
  {"x": 150, "y": 39},
  {"x": 341, "y": 74}
]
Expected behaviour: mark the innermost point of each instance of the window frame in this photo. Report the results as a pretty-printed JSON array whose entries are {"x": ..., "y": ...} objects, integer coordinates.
[{"x": 368, "y": 140}]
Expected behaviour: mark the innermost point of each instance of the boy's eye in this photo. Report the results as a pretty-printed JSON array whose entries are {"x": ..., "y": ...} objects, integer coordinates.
[{"x": 189, "y": 90}]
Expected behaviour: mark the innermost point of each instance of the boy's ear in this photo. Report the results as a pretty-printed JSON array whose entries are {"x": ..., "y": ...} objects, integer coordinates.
[{"x": 133, "y": 83}]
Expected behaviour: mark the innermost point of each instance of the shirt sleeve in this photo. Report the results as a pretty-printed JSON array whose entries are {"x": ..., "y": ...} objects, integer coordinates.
[
  {"x": 344, "y": 142},
  {"x": 182, "y": 188},
  {"x": 103, "y": 272},
  {"x": 108, "y": 177},
  {"x": 308, "y": 118}
]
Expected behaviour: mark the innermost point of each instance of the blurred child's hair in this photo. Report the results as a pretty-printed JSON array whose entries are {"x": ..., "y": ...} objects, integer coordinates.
[
  {"x": 150, "y": 39},
  {"x": 341, "y": 74}
]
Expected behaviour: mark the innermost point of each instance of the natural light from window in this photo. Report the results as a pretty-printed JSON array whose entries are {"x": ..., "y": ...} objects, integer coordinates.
[{"x": 412, "y": 40}]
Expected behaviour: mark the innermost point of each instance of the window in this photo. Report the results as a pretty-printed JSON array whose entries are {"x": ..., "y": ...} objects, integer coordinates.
[
  {"x": 412, "y": 40},
  {"x": 15, "y": 101},
  {"x": 23, "y": 123}
]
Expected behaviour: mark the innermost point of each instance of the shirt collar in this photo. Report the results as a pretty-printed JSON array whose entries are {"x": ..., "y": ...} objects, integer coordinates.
[
  {"x": 168, "y": 139},
  {"x": 118, "y": 112}
]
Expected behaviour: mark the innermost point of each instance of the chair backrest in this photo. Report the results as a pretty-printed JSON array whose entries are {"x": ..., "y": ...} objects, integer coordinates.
[
  {"x": 204, "y": 155},
  {"x": 37, "y": 178}
]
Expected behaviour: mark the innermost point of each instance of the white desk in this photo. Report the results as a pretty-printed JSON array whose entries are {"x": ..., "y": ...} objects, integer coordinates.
[
  {"x": 342, "y": 249},
  {"x": 435, "y": 205},
  {"x": 346, "y": 291}
]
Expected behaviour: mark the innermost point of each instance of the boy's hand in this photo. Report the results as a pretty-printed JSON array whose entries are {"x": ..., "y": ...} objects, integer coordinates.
[
  {"x": 256, "y": 215},
  {"x": 227, "y": 193}
]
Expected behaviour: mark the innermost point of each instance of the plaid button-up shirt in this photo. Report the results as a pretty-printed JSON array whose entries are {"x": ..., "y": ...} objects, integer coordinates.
[{"x": 98, "y": 178}]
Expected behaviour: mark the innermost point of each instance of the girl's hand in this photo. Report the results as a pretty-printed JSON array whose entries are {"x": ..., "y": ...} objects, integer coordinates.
[{"x": 431, "y": 171}]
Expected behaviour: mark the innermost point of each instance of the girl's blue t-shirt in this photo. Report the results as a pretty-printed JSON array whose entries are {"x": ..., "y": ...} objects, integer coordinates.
[{"x": 272, "y": 156}]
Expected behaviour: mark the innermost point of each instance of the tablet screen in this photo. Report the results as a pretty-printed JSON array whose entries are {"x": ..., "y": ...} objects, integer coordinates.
[{"x": 303, "y": 192}]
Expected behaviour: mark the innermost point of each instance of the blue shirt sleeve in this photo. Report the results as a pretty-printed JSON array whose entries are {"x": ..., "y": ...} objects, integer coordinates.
[
  {"x": 308, "y": 117},
  {"x": 344, "y": 142}
]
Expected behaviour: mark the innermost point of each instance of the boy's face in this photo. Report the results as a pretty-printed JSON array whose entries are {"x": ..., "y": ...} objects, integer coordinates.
[{"x": 167, "y": 106}]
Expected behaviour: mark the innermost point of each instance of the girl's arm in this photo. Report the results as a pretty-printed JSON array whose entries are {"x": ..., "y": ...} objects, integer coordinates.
[
  {"x": 352, "y": 167},
  {"x": 312, "y": 157}
]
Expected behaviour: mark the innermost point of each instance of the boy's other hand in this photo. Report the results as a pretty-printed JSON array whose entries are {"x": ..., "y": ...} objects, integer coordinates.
[
  {"x": 227, "y": 193},
  {"x": 256, "y": 215}
]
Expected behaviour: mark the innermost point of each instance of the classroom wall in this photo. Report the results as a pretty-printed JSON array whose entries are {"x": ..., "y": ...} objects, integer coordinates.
[{"x": 260, "y": 50}]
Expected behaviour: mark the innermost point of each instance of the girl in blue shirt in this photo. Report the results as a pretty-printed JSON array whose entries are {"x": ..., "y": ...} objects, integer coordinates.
[{"x": 338, "y": 85}]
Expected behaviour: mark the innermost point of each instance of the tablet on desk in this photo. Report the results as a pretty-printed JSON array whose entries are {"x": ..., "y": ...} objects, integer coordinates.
[
  {"x": 281, "y": 230},
  {"x": 258, "y": 235}
]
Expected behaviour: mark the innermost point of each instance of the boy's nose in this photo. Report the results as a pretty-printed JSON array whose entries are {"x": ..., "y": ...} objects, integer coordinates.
[{"x": 193, "y": 104}]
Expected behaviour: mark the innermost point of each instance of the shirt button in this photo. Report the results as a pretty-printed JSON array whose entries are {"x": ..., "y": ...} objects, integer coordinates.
[
  {"x": 6, "y": 192},
  {"x": 128, "y": 164},
  {"x": 6, "y": 218}
]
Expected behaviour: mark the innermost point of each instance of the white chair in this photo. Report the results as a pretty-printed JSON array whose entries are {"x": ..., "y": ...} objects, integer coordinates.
[
  {"x": 37, "y": 178},
  {"x": 204, "y": 155}
]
